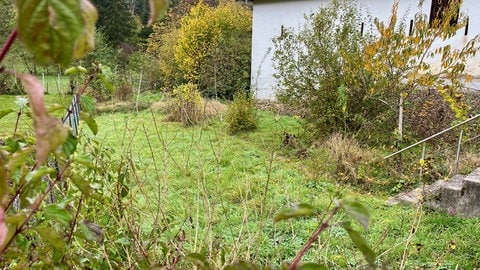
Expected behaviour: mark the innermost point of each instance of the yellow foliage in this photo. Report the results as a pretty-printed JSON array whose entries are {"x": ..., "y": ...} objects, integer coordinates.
[
  {"x": 203, "y": 33},
  {"x": 399, "y": 59}
]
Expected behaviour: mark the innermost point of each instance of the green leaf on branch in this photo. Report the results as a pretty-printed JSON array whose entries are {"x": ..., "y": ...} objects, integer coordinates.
[
  {"x": 106, "y": 78},
  {"x": 360, "y": 243},
  {"x": 87, "y": 103},
  {"x": 18, "y": 160},
  {"x": 55, "y": 212},
  {"x": 70, "y": 145},
  {"x": 4, "y": 113},
  {"x": 81, "y": 184},
  {"x": 91, "y": 123},
  {"x": 299, "y": 210},
  {"x": 85, "y": 161},
  {"x": 158, "y": 8},
  {"x": 357, "y": 211},
  {"x": 12, "y": 222},
  {"x": 86, "y": 41},
  {"x": 75, "y": 70},
  {"x": 50, "y": 28},
  {"x": 123, "y": 188},
  {"x": 35, "y": 176},
  {"x": 50, "y": 236},
  {"x": 16, "y": 220}
]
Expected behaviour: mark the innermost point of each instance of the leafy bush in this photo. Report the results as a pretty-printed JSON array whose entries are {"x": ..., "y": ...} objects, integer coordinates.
[
  {"x": 124, "y": 89},
  {"x": 241, "y": 113},
  {"x": 317, "y": 70},
  {"x": 185, "y": 104},
  {"x": 213, "y": 48}
]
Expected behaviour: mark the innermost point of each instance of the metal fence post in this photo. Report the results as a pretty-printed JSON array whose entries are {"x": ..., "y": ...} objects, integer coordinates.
[{"x": 457, "y": 158}]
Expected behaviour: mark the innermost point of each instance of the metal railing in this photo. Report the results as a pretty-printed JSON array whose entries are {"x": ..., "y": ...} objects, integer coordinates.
[{"x": 457, "y": 158}]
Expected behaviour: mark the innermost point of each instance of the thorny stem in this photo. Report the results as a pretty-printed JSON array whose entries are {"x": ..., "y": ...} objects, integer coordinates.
[
  {"x": 6, "y": 47},
  {"x": 313, "y": 238},
  {"x": 74, "y": 222},
  {"x": 19, "y": 190},
  {"x": 137, "y": 241},
  {"x": 35, "y": 207},
  {"x": 19, "y": 114}
]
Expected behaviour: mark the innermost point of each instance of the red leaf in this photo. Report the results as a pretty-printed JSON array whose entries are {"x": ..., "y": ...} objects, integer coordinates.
[
  {"x": 3, "y": 228},
  {"x": 50, "y": 133}
]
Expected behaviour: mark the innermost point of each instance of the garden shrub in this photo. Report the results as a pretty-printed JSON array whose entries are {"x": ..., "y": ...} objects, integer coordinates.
[
  {"x": 185, "y": 105},
  {"x": 123, "y": 90},
  {"x": 9, "y": 85},
  {"x": 317, "y": 71},
  {"x": 241, "y": 114}
]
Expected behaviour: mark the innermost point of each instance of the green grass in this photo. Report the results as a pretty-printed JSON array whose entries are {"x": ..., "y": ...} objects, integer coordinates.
[
  {"x": 223, "y": 191},
  {"x": 55, "y": 84},
  {"x": 232, "y": 186},
  {"x": 7, "y": 123}
]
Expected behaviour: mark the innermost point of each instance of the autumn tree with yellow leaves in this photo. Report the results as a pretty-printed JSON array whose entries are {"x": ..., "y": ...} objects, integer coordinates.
[{"x": 210, "y": 49}]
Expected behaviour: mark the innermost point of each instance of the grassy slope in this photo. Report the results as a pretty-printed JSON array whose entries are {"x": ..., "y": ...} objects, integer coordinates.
[{"x": 224, "y": 191}]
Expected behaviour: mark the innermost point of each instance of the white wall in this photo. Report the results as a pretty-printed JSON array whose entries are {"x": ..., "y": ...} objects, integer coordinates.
[
  {"x": 268, "y": 18},
  {"x": 270, "y": 15}
]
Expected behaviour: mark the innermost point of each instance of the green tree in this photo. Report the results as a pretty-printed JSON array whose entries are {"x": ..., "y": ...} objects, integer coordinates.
[
  {"x": 163, "y": 50},
  {"x": 6, "y": 20},
  {"x": 117, "y": 22}
]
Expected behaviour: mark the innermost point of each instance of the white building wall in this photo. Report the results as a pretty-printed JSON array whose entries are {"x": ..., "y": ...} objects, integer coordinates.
[
  {"x": 268, "y": 18},
  {"x": 270, "y": 15}
]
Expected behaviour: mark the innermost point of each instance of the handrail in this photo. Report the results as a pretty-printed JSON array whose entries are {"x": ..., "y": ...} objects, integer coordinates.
[{"x": 433, "y": 136}]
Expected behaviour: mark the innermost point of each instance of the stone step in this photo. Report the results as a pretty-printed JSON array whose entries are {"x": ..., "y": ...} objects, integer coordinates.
[
  {"x": 426, "y": 192},
  {"x": 459, "y": 195}
]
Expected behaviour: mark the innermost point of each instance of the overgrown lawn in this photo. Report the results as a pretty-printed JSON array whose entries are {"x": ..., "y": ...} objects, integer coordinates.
[
  {"x": 207, "y": 192},
  {"x": 223, "y": 192}
]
